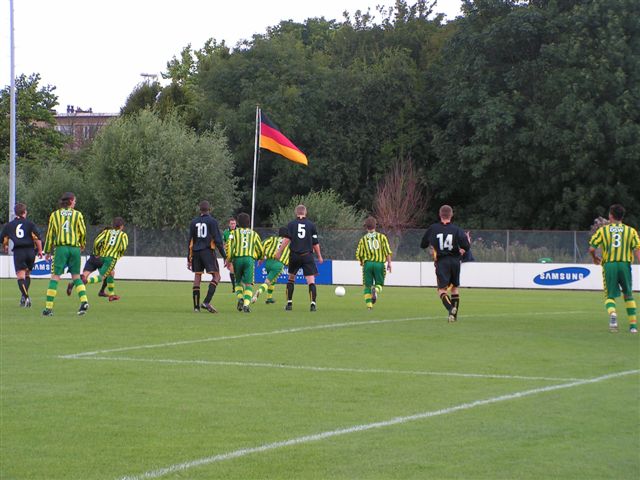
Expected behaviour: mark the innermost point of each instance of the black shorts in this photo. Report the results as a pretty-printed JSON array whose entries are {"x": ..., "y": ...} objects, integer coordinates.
[
  {"x": 305, "y": 261},
  {"x": 204, "y": 261},
  {"x": 24, "y": 258},
  {"x": 93, "y": 263},
  {"x": 448, "y": 271}
]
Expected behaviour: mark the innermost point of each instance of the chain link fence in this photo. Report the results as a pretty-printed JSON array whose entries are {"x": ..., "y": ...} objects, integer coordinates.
[{"x": 486, "y": 246}]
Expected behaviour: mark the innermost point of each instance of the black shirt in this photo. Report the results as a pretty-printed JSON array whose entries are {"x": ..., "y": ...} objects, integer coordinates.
[
  {"x": 204, "y": 233},
  {"x": 22, "y": 233},
  {"x": 303, "y": 236},
  {"x": 446, "y": 239}
]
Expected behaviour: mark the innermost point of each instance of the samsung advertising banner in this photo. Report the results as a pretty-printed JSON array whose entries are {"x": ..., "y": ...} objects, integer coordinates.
[{"x": 325, "y": 274}]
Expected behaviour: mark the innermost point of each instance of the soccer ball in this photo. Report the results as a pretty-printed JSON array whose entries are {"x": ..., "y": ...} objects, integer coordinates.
[{"x": 340, "y": 291}]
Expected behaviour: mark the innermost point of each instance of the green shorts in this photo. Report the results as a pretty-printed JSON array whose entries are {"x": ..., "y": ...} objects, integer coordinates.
[
  {"x": 616, "y": 276},
  {"x": 65, "y": 256},
  {"x": 373, "y": 273},
  {"x": 243, "y": 268},
  {"x": 274, "y": 269},
  {"x": 108, "y": 264}
]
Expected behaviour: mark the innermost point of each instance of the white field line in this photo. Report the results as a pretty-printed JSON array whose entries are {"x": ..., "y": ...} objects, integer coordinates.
[
  {"x": 323, "y": 369},
  {"x": 180, "y": 467},
  {"x": 301, "y": 329}
]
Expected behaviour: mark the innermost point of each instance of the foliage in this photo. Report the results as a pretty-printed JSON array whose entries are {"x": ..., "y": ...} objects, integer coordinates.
[
  {"x": 154, "y": 172},
  {"x": 325, "y": 208},
  {"x": 537, "y": 122},
  {"x": 36, "y": 137}
]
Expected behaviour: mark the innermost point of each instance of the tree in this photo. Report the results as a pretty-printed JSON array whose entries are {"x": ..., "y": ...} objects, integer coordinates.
[
  {"x": 325, "y": 208},
  {"x": 537, "y": 127},
  {"x": 154, "y": 172}
]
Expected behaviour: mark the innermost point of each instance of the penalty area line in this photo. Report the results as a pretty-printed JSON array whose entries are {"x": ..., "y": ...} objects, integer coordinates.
[
  {"x": 326, "y": 326},
  {"x": 180, "y": 467},
  {"x": 227, "y": 363}
]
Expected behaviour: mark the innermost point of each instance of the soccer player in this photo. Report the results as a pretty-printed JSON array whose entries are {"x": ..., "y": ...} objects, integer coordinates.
[
  {"x": 65, "y": 239},
  {"x": 25, "y": 236},
  {"x": 272, "y": 266},
  {"x": 372, "y": 252},
  {"x": 204, "y": 238},
  {"x": 225, "y": 236},
  {"x": 618, "y": 242},
  {"x": 302, "y": 237},
  {"x": 449, "y": 242},
  {"x": 93, "y": 263},
  {"x": 243, "y": 248},
  {"x": 112, "y": 243}
]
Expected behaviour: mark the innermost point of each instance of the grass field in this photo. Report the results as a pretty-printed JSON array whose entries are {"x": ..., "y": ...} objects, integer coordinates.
[{"x": 526, "y": 385}]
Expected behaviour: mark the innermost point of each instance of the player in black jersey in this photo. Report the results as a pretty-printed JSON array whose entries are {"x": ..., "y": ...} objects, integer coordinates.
[
  {"x": 449, "y": 242},
  {"x": 204, "y": 238},
  {"x": 25, "y": 236},
  {"x": 302, "y": 238}
]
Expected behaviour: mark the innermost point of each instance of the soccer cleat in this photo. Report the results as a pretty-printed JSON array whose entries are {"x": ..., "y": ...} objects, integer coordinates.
[
  {"x": 84, "y": 306},
  {"x": 312, "y": 307},
  {"x": 240, "y": 304},
  {"x": 27, "y": 302},
  {"x": 102, "y": 293},
  {"x": 289, "y": 306},
  {"x": 269, "y": 300},
  {"x": 369, "y": 308},
  {"x": 47, "y": 312},
  {"x": 69, "y": 289},
  {"x": 209, "y": 308},
  {"x": 453, "y": 315},
  {"x": 613, "y": 323},
  {"x": 114, "y": 298},
  {"x": 246, "y": 309},
  {"x": 22, "y": 300},
  {"x": 374, "y": 294},
  {"x": 633, "y": 329},
  {"x": 196, "y": 309}
]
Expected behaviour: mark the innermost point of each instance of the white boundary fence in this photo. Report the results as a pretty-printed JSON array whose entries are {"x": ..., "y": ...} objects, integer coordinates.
[{"x": 415, "y": 274}]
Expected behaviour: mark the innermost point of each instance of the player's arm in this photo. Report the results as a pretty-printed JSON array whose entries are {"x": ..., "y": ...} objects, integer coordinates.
[
  {"x": 387, "y": 250},
  {"x": 82, "y": 231},
  {"x": 424, "y": 243},
  {"x": 124, "y": 244},
  {"x": 359, "y": 250},
  {"x": 285, "y": 241},
  {"x": 316, "y": 244},
  {"x": 5, "y": 239},
  {"x": 217, "y": 238},
  {"x": 50, "y": 237}
]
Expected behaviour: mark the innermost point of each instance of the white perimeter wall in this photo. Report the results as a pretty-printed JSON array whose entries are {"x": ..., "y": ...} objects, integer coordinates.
[{"x": 474, "y": 274}]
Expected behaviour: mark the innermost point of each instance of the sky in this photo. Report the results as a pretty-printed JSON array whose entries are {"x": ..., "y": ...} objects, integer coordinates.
[{"x": 94, "y": 52}]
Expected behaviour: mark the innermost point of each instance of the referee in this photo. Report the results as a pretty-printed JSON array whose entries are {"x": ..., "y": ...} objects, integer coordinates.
[{"x": 302, "y": 238}]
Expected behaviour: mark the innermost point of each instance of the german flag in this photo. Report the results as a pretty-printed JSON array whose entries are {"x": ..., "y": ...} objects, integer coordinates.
[{"x": 272, "y": 139}]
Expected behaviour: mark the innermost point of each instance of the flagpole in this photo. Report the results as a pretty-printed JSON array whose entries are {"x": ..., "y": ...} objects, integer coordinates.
[{"x": 255, "y": 165}]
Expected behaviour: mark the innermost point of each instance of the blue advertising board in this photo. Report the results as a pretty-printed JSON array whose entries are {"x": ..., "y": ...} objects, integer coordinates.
[
  {"x": 561, "y": 276},
  {"x": 42, "y": 267},
  {"x": 325, "y": 274}
]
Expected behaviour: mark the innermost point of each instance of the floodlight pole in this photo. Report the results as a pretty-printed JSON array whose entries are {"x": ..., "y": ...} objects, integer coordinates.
[{"x": 12, "y": 108}]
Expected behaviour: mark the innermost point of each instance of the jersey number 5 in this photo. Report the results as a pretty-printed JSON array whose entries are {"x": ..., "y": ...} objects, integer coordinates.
[{"x": 301, "y": 230}]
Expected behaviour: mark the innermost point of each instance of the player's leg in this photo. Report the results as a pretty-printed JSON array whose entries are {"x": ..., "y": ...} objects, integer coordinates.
[
  {"x": 294, "y": 265},
  {"x": 627, "y": 292},
  {"x": 212, "y": 268},
  {"x": 442, "y": 279},
  {"x": 274, "y": 269},
  {"x": 611, "y": 291},
  {"x": 105, "y": 285},
  {"x": 379, "y": 273},
  {"x": 22, "y": 286},
  {"x": 232, "y": 276},
  {"x": 58, "y": 262},
  {"x": 239, "y": 290},
  {"x": 195, "y": 291},
  {"x": 309, "y": 270},
  {"x": 73, "y": 263},
  {"x": 247, "y": 282},
  {"x": 367, "y": 283}
]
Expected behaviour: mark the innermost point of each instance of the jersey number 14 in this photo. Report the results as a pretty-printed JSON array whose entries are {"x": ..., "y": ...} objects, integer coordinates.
[{"x": 446, "y": 243}]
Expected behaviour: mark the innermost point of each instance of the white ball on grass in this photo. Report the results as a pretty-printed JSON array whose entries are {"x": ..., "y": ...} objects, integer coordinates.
[{"x": 340, "y": 291}]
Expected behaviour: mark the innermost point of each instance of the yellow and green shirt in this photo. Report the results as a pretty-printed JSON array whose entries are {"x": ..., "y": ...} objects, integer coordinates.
[
  {"x": 373, "y": 247},
  {"x": 113, "y": 243},
  {"x": 271, "y": 246},
  {"x": 66, "y": 228},
  {"x": 244, "y": 242},
  {"x": 617, "y": 241}
]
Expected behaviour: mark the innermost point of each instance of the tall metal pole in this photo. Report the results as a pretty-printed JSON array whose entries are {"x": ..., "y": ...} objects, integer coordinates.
[
  {"x": 255, "y": 165},
  {"x": 12, "y": 108}
]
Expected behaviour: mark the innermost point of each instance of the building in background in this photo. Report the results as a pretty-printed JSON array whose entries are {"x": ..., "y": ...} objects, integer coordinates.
[{"x": 81, "y": 125}]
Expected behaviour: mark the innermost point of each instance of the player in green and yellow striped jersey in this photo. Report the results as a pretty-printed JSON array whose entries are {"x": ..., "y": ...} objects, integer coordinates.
[
  {"x": 65, "y": 239},
  {"x": 273, "y": 267},
  {"x": 233, "y": 223},
  {"x": 372, "y": 252},
  {"x": 618, "y": 243},
  {"x": 243, "y": 247},
  {"x": 111, "y": 245}
]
